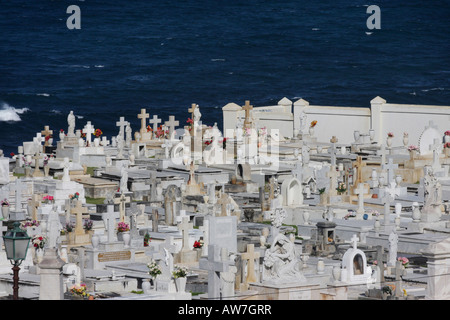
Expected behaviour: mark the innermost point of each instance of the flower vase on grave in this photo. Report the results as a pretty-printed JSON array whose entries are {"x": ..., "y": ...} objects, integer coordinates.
[
  {"x": 5, "y": 212},
  {"x": 126, "y": 238},
  {"x": 389, "y": 142},
  {"x": 416, "y": 214},
  {"x": 405, "y": 140},
  {"x": 305, "y": 217},
  {"x": 46, "y": 171},
  {"x": 377, "y": 224},
  {"x": 146, "y": 286},
  {"x": 95, "y": 240},
  {"x": 180, "y": 284},
  {"x": 336, "y": 273}
]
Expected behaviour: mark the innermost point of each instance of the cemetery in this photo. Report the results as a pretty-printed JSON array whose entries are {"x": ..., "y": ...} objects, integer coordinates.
[{"x": 287, "y": 202}]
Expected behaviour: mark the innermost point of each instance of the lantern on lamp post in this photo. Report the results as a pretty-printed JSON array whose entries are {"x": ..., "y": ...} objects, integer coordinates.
[{"x": 16, "y": 243}]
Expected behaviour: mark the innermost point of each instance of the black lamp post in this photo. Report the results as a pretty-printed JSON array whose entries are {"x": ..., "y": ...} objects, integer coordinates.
[{"x": 16, "y": 243}]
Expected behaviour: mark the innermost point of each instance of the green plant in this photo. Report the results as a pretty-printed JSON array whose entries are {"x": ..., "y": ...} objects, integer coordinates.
[
  {"x": 322, "y": 190},
  {"x": 179, "y": 272}
]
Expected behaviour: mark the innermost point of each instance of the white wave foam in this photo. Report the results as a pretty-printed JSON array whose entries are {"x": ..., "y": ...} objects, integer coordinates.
[
  {"x": 218, "y": 59},
  {"x": 79, "y": 117},
  {"x": 99, "y": 66},
  {"x": 43, "y": 94},
  {"x": 55, "y": 111},
  {"x": 8, "y": 113}
]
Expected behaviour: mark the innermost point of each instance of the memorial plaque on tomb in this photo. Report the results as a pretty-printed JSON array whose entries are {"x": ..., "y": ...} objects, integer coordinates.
[
  {"x": 114, "y": 256},
  {"x": 222, "y": 232}
]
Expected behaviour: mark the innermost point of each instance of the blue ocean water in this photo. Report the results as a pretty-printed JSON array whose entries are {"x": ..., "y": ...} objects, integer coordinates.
[{"x": 166, "y": 55}]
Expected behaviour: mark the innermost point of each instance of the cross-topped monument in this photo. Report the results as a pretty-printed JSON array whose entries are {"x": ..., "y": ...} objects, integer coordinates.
[
  {"x": 154, "y": 121},
  {"x": 247, "y": 108},
  {"x": 354, "y": 240},
  {"x": 37, "y": 172},
  {"x": 88, "y": 130},
  {"x": 358, "y": 164},
  {"x": 122, "y": 123},
  {"x": 34, "y": 203},
  {"x": 171, "y": 124},
  {"x": 78, "y": 210},
  {"x": 332, "y": 175},
  {"x": 110, "y": 216},
  {"x": 192, "y": 109},
  {"x": 250, "y": 256},
  {"x": 143, "y": 116},
  {"x": 122, "y": 201},
  {"x": 184, "y": 227},
  {"x": 360, "y": 191},
  {"x": 390, "y": 167},
  {"x": 46, "y": 133},
  {"x": 214, "y": 266}
]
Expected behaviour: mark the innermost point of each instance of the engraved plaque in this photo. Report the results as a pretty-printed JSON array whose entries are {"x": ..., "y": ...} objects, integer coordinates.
[{"x": 114, "y": 256}]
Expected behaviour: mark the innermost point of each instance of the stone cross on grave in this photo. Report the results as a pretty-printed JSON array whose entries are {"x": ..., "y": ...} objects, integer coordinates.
[
  {"x": 81, "y": 259},
  {"x": 332, "y": 150},
  {"x": 37, "y": 172},
  {"x": 390, "y": 167},
  {"x": 88, "y": 130},
  {"x": 34, "y": 203},
  {"x": 18, "y": 188},
  {"x": 250, "y": 256},
  {"x": 389, "y": 196},
  {"x": 154, "y": 121},
  {"x": 354, "y": 240},
  {"x": 214, "y": 265},
  {"x": 436, "y": 147},
  {"x": 223, "y": 201},
  {"x": 247, "y": 108},
  {"x": 360, "y": 191},
  {"x": 46, "y": 133},
  {"x": 358, "y": 164},
  {"x": 164, "y": 257},
  {"x": 110, "y": 216},
  {"x": 122, "y": 123},
  {"x": 171, "y": 124},
  {"x": 332, "y": 175},
  {"x": 78, "y": 210},
  {"x": 143, "y": 116},
  {"x": 122, "y": 201},
  {"x": 184, "y": 227}
]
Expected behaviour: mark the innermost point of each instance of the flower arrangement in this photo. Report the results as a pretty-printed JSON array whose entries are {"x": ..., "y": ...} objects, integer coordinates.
[
  {"x": 154, "y": 269},
  {"x": 404, "y": 261},
  {"x": 190, "y": 122},
  {"x": 83, "y": 134},
  {"x": 88, "y": 224},
  {"x": 262, "y": 131},
  {"x": 5, "y": 203},
  {"x": 123, "y": 227},
  {"x": 447, "y": 133},
  {"x": 149, "y": 129},
  {"x": 208, "y": 142},
  {"x": 29, "y": 223},
  {"x": 46, "y": 160},
  {"x": 39, "y": 241},
  {"x": 388, "y": 289},
  {"x": 74, "y": 196},
  {"x": 48, "y": 199},
  {"x": 341, "y": 187},
  {"x": 26, "y": 163},
  {"x": 350, "y": 214},
  {"x": 198, "y": 244},
  {"x": 69, "y": 227},
  {"x": 413, "y": 148},
  {"x": 98, "y": 132},
  {"x": 179, "y": 272},
  {"x": 247, "y": 132},
  {"x": 12, "y": 154},
  {"x": 160, "y": 132},
  {"x": 313, "y": 124},
  {"x": 79, "y": 290},
  {"x": 447, "y": 145},
  {"x": 390, "y": 134},
  {"x": 48, "y": 137},
  {"x": 147, "y": 239},
  {"x": 224, "y": 143}
]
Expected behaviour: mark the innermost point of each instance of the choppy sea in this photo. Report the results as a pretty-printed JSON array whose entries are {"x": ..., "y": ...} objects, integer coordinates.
[{"x": 166, "y": 55}]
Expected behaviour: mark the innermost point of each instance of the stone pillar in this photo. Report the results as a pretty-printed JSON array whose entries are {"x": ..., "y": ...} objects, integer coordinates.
[
  {"x": 376, "y": 106},
  {"x": 438, "y": 277},
  {"x": 51, "y": 287}
]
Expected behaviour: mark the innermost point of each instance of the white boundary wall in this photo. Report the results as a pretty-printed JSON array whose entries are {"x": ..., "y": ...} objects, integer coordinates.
[{"x": 341, "y": 122}]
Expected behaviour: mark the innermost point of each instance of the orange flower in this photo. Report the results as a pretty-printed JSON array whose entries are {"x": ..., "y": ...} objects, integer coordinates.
[{"x": 313, "y": 123}]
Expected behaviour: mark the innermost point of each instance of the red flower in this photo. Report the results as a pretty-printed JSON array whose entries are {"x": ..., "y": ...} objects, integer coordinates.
[
  {"x": 12, "y": 154},
  {"x": 190, "y": 121}
]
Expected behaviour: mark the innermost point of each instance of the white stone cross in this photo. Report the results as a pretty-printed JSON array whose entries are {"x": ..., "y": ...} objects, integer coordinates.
[
  {"x": 214, "y": 266},
  {"x": 122, "y": 123},
  {"x": 360, "y": 191},
  {"x": 154, "y": 121},
  {"x": 389, "y": 196},
  {"x": 78, "y": 210},
  {"x": 110, "y": 215},
  {"x": 354, "y": 240},
  {"x": 143, "y": 116},
  {"x": 332, "y": 175},
  {"x": 436, "y": 147},
  {"x": 18, "y": 187},
  {"x": 184, "y": 227},
  {"x": 122, "y": 201},
  {"x": 390, "y": 167},
  {"x": 250, "y": 256},
  {"x": 172, "y": 124},
  {"x": 88, "y": 130}
]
